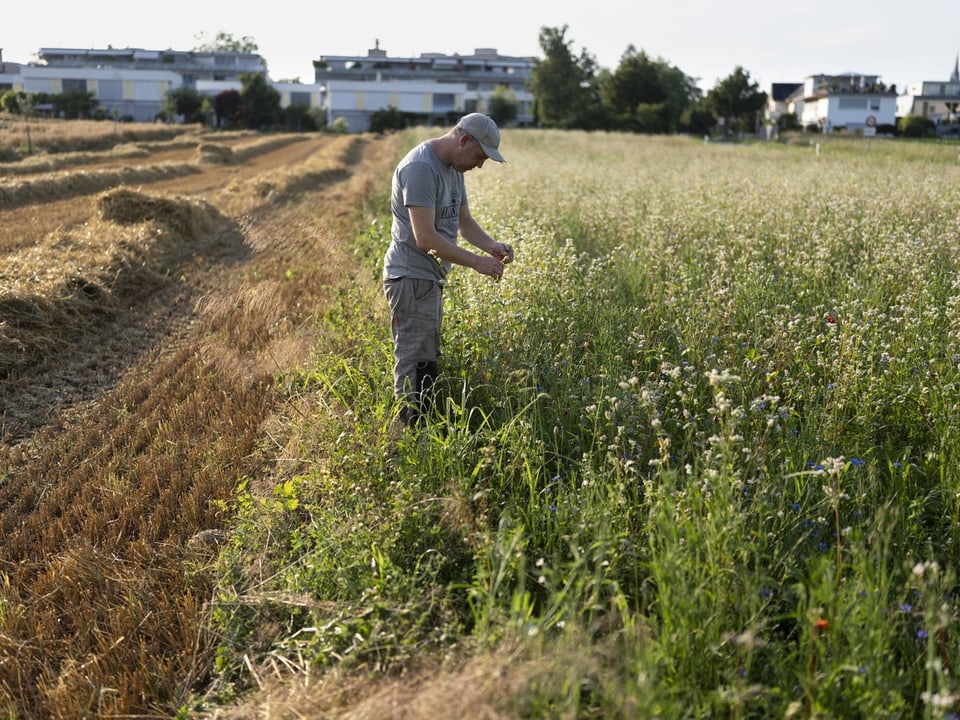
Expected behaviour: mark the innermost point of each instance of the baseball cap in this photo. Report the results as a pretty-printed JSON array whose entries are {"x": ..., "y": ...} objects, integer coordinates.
[{"x": 484, "y": 131}]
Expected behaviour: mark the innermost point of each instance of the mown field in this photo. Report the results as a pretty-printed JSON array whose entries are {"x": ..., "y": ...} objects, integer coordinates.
[
  {"x": 149, "y": 293},
  {"x": 694, "y": 456}
]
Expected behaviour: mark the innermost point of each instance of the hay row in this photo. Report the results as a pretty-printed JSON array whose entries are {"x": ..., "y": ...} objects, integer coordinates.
[
  {"x": 322, "y": 168},
  {"x": 37, "y": 164},
  {"x": 58, "y": 288},
  {"x": 71, "y": 184},
  {"x": 265, "y": 145},
  {"x": 207, "y": 152}
]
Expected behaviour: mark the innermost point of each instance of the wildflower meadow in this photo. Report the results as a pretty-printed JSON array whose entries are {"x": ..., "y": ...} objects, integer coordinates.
[{"x": 696, "y": 455}]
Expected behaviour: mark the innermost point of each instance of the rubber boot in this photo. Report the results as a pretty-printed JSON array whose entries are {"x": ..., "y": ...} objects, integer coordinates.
[{"x": 426, "y": 377}]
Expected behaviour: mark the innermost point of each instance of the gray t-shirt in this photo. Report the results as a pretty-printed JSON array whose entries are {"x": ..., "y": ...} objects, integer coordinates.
[{"x": 422, "y": 180}]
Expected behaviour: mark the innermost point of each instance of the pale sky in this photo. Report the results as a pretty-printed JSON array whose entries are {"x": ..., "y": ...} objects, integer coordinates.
[{"x": 776, "y": 42}]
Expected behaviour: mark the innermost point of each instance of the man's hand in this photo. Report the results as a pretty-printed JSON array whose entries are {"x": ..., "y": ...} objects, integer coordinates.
[
  {"x": 488, "y": 265},
  {"x": 503, "y": 252}
]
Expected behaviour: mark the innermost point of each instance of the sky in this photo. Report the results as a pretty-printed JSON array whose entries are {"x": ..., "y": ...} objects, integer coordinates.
[{"x": 774, "y": 43}]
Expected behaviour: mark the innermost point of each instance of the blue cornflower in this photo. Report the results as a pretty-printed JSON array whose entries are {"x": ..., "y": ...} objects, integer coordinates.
[
  {"x": 906, "y": 607},
  {"x": 857, "y": 462},
  {"x": 766, "y": 592},
  {"x": 922, "y": 634}
]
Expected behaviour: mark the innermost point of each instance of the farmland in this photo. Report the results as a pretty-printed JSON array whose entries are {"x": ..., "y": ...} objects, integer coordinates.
[
  {"x": 695, "y": 455},
  {"x": 150, "y": 291}
]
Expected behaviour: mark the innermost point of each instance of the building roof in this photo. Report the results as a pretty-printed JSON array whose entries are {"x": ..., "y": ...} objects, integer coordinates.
[{"x": 781, "y": 91}]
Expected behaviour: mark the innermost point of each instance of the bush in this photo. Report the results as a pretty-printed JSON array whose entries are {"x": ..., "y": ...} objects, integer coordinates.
[
  {"x": 389, "y": 119},
  {"x": 914, "y": 126}
]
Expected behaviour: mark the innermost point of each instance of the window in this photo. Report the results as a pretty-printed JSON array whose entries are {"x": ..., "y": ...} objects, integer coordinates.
[
  {"x": 110, "y": 90},
  {"x": 444, "y": 102},
  {"x": 852, "y": 104},
  {"x": 74, "y": 84}
]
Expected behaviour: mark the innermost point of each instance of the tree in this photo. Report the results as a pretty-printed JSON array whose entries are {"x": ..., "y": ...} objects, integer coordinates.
[
  {"x": 387, "y": 119},
  {"x": 186, "y": 102},
  {"x": 738, "y": 99},
  {"x": 12, "y": 101},
  {"x": 259, "y": 102},
  {"x": 636, "y": 80},
  {"x": 300, "y": 118},
  {"x": 560, "y": 82},
  {"x": 225, "y": 42},
  {"x": 682, "y": 94},
  {"x": 647, "y": 95},
  {"x": 502, "y": 106},
  {"x": 697, "y": 119},
  {"x": 74, "y": 104},
  {"x": 227, "y": 107}
]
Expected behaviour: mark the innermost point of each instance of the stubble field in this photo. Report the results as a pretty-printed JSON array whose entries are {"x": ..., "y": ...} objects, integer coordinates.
[{"x": 152, "y": 284}]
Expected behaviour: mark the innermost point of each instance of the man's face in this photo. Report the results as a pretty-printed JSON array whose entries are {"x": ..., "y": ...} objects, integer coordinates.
[{"x": 471, "y": 154}]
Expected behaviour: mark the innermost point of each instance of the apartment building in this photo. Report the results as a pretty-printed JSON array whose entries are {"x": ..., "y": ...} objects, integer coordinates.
[{"x": 434, "y": 87}]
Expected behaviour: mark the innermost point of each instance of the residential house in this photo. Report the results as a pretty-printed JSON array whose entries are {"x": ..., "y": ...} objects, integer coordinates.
[
  {"x": 850, "y": 102},
  {"x": 939, "y": 101},
  {"x": 433, "y": 86}
]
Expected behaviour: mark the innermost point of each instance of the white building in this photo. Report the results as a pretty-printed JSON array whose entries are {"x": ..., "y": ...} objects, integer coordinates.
[
  {"x": 355, "y": 100},
  {"x": 136, "y": 94},
  {"x": 850, "y": 102},
  {"x": 134, "y": 83},
  {"x": 433, "y": 87}
]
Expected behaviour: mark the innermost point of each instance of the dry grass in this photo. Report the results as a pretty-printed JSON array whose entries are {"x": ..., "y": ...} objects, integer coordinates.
[
  {"x": 139, "y": 347},
  {"x": 471, "y": 684},
  {"x": 49, "y": 136}
]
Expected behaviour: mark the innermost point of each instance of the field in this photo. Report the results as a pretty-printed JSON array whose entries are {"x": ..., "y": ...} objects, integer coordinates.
[
  {"x": 694, "y": 456},
  {"x": 149, "y": 293}
]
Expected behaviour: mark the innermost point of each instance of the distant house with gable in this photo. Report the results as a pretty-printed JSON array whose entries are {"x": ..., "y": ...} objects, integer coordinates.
[
  {"x": 777, "y": 98},
  {"x": 776, "y": 108}
]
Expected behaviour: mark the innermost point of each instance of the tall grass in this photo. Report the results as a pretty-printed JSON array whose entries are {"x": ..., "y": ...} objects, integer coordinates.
[{"x": 707, "y": 424}]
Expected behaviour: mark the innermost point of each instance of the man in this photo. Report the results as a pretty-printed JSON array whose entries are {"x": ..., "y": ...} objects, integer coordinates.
[{"x": 430, "y": 209}]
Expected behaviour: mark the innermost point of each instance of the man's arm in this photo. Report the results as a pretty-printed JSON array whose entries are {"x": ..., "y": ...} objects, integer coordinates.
[
  {"x": 429, "y": 240},
  {"x": 471, "y": 231}
]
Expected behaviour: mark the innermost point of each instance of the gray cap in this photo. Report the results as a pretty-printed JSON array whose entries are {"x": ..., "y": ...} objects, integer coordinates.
[{"x": 484, "y": 131}]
